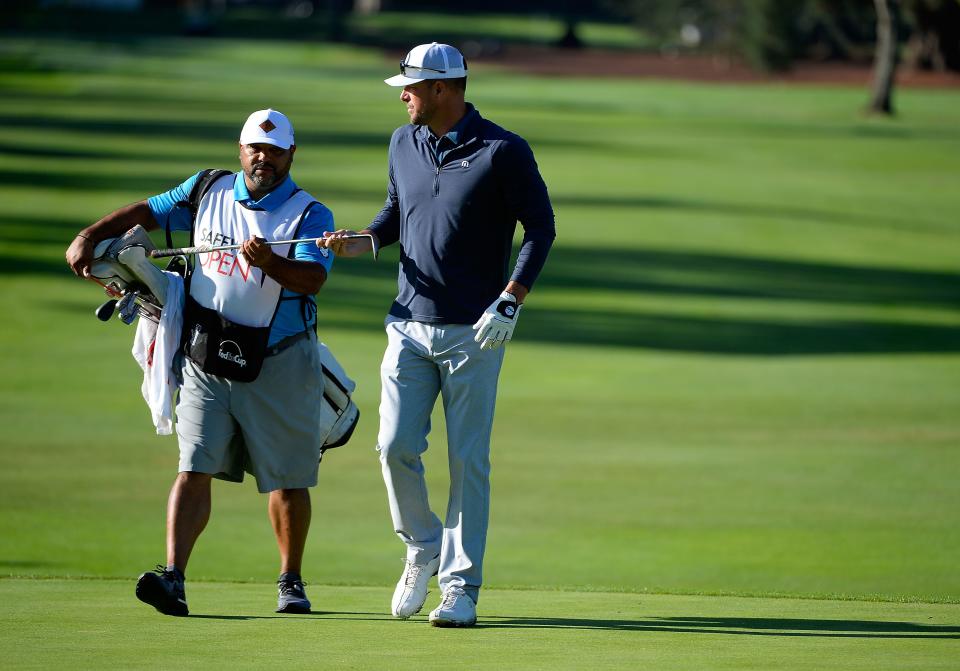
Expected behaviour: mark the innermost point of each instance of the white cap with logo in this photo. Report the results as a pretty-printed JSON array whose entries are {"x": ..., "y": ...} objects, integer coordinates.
[
  {"x": 267, "y": 127},
  {"x": 430, "y": 61}
]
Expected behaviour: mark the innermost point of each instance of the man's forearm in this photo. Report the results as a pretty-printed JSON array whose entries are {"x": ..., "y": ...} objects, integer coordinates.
[
  {"x": 79, "y": 254},
  {"x": 119, "y": 222},
  {"x": 532, "y": 257},
  {"x": 386, "y": 225},
  {"x": 301, "y": 277}
]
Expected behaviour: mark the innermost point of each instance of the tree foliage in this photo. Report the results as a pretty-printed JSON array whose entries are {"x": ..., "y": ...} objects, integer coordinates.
[
  {"x": 770, "y": 34},
  {"x": 934, "y": 43}
]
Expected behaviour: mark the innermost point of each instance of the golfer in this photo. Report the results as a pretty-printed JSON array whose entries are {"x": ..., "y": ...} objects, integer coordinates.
[
  {"x": 457, "y": 186},
  {"x": 243, "y": 310}
]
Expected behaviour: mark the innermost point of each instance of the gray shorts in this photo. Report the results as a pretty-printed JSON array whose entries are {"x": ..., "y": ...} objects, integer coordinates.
[{"x": 269, "y": 428}]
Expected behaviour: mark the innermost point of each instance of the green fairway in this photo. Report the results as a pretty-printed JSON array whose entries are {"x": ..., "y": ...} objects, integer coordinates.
[
  {"x": 739, "y": 374},
  {"x": 97, "y": 624}
]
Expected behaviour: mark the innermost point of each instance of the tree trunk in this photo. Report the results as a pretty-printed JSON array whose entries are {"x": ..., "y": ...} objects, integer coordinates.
[{"x": 885, "y": 59}]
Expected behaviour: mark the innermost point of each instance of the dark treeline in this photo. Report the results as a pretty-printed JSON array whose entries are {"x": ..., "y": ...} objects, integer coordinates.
[{"x": 768, "y": 34}]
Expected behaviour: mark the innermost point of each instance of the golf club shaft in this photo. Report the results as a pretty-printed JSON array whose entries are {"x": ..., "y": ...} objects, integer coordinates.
[{"x": 204, "y": 249}]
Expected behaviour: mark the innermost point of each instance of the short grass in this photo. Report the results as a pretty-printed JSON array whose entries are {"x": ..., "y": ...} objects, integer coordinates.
[
  {"x": 97, "y": 624},
  {"x": 737, "y": 376}
]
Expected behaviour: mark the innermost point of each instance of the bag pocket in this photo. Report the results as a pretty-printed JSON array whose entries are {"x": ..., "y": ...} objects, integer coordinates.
[
  {"x": 337, "y": 410},
  {"x": 222, "y": 347}
]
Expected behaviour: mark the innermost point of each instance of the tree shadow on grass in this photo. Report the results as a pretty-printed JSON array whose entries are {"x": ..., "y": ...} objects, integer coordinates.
[
  {"x": 194, "y": 129},
  {"x": 734, "y": 626},
  {"x": 150, "y": 183},
  {"x": 313, "y": 615},
  {"x": 736, "y": 336},
  {"x": 770, "y": 211},
  {"x": 146, "y": 185},
  {"x": 737, "y": 626},
  {"x": 682, "y": 274},
  {"x": 25, "y": 564},
  {"x": 735, "y": 308},
  {"x": 242, "y": 618},
  {"x": 34, "y": 150},
  {"x": 722, "y": 280}
]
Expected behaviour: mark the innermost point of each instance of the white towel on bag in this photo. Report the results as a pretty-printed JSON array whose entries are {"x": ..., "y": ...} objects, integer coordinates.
[{"x": 154, "y": 348}]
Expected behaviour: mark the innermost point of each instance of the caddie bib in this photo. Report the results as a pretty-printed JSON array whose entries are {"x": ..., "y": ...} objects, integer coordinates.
[
  {"x": 231, "y": 304},
  {"x": 224, "y": 281}
]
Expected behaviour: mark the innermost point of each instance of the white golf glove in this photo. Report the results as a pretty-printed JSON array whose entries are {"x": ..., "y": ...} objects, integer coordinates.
[{"x": 497, "y": 322}]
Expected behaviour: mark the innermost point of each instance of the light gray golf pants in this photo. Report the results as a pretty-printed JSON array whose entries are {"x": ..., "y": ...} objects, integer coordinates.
[{"x": 421, "y": 362}]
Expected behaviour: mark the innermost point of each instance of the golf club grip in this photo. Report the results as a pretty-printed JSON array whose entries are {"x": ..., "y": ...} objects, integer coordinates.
[{"x": 163, "y": 253}]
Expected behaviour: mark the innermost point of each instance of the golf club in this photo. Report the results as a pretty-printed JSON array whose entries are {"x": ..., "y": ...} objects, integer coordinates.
[
  {"x": 205, "y": 249},
  {"x": 105, "y": 311}
]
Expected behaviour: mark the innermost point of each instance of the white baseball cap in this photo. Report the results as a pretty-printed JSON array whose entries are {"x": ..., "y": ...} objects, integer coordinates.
[
  {"x": 430, "y": 61},
  {"x": 267, "y": 127}
]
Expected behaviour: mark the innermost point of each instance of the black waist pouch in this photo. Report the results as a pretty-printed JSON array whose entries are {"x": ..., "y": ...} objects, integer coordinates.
[{"x": 220, "y": 346}]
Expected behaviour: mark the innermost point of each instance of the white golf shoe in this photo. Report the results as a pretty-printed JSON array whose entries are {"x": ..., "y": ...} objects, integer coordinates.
[
  {"x": 411, "y": 591},
  {"x": 456, "y": 609}
]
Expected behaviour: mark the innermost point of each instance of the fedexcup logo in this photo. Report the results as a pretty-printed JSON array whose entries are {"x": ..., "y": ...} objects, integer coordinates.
[
  {"x": 507, "y": 309},
  {"x": 230, "y": 351}
]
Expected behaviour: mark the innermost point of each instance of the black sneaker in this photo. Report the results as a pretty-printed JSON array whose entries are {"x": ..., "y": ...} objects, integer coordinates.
[
  {"x": 292, "y": 598},
  {"x": 163, "y": 590}
]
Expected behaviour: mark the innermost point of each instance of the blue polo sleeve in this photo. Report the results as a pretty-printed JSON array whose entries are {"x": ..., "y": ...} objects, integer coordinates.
[
  {"x": 527, "y": 196},
  {"x": 386, "y": 224},
  {"x": 169, "y": 208},
  {"x": 318, "y": 221}
]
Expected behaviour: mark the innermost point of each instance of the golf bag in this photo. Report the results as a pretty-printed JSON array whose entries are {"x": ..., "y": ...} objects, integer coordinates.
[
  {"x": 337, "y": 409},
  {"x": 136, "y": 286}
]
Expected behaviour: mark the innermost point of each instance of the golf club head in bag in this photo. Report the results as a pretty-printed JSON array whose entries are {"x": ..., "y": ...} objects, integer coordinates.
[{"x": 121, "y": 265}]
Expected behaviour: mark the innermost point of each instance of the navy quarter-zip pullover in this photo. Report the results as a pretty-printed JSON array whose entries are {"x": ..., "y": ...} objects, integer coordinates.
[{"x": 454, "y": 205}]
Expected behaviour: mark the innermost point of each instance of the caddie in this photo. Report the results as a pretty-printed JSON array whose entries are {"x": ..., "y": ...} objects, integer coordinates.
[
  {"x": 252, "y": 381},
  {"x": 457, "y": 185}
]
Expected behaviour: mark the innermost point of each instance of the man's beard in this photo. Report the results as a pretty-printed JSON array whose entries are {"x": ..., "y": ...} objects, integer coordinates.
[{"x": 266, "y": 180}]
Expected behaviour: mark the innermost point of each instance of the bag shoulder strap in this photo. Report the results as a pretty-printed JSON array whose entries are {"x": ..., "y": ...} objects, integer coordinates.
[
  {"x": 181, "y": 264},
  {"x": 200, "y": 187},
  {"x": 199, "y": 190}
]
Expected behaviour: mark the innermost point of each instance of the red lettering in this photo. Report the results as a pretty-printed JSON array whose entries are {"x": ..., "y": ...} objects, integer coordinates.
[
  {"x": 226, "y": 264},
  {"x": 244, "y": 273},
  {"x": 209, "y": 259},
  {"x": 225, "y": 259}
]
